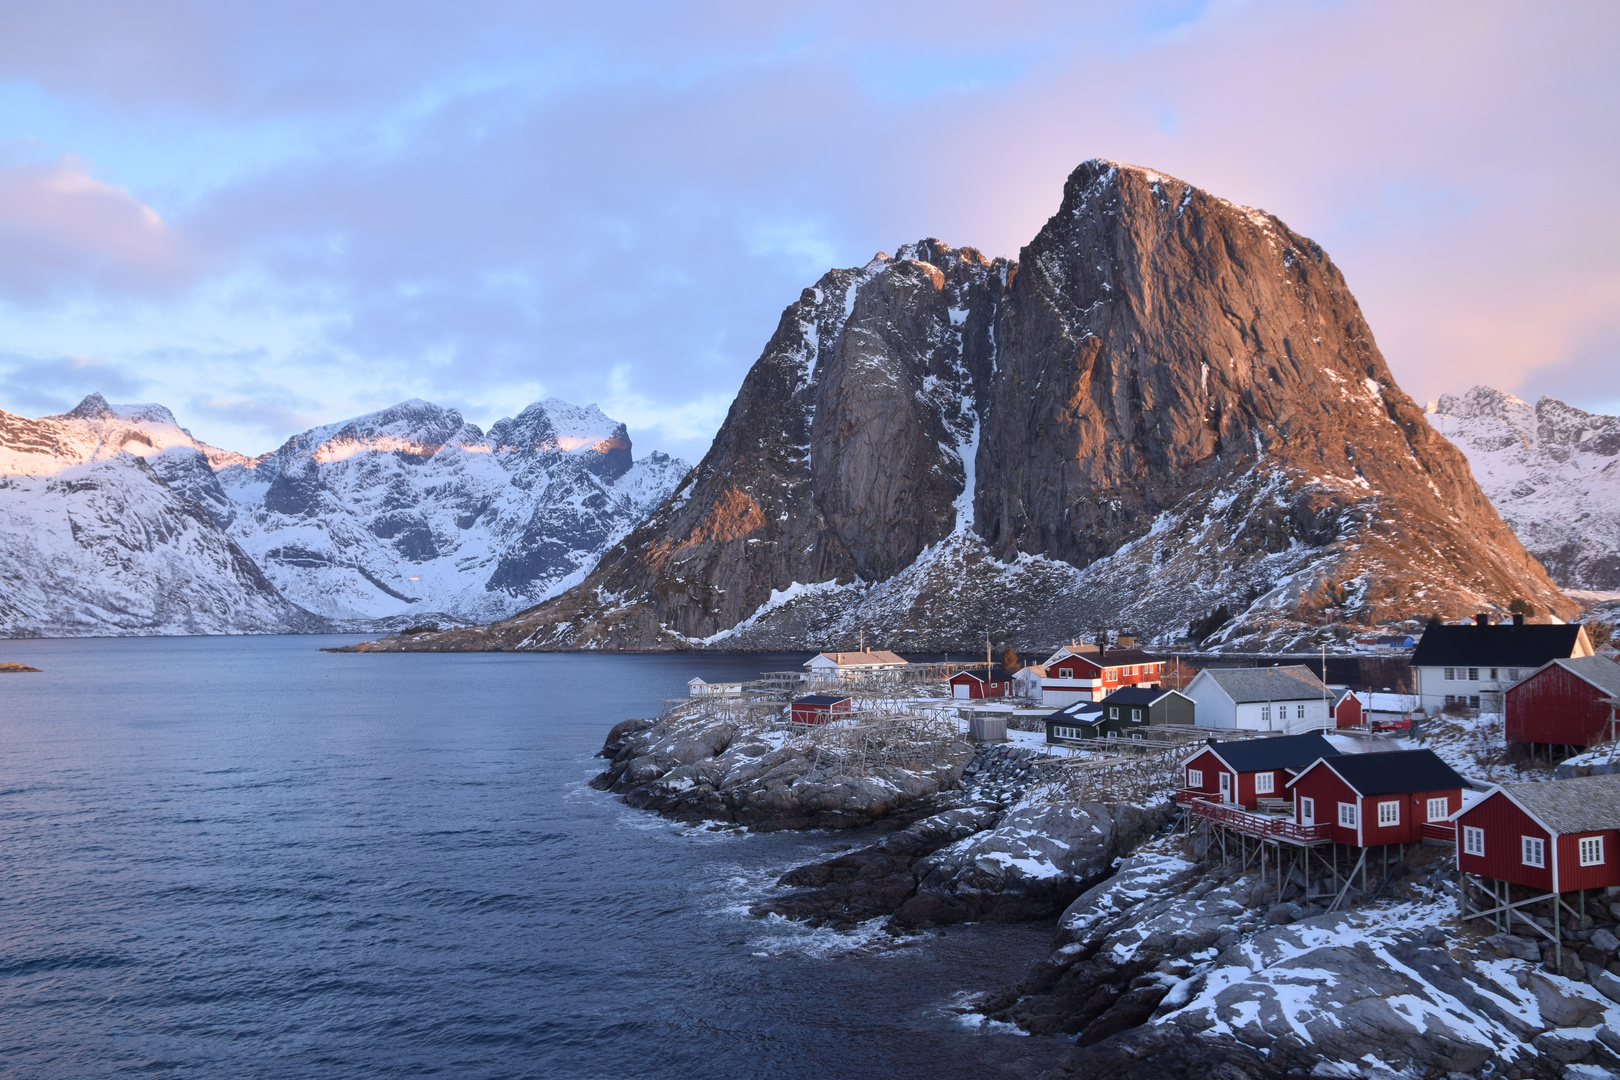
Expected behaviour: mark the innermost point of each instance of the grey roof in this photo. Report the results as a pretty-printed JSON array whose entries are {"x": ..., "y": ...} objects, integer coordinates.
[
  {"x": 1600, "y": 671},
  {"x": 1286, "y": 682},
  {"x": 1581, "y": 804}
]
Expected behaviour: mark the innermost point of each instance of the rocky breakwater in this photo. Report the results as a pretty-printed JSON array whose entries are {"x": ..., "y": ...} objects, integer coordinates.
[
  {"x": 695, "y": 767},
  {"x": 1015, "y": 849},
  {"x": 1179, "y": 967}
]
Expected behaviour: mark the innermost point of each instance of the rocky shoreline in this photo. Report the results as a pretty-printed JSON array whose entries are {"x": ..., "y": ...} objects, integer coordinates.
[{"x": 1165, "y": 961}]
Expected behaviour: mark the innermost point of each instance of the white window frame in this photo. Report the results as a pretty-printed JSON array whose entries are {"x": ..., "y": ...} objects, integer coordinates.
[
  {"x": 1195, "y": 778},
  {"x": 1299, "y": 713},
  {"x": 1265, "y": 783},
  {"x": 1513, "y": 674},
  {"x": 1533, "y": 851},
  {"x": 1389, "y": 813},
  {"x": 1473, "y": 674},
  {"x": 1347, "y": 815},
  {"x": 1265, "y": 714},
  {"x": 1449, "y": 674},
  {"x": 1473, "y": 838},
  {"x": 1591, "y": 848},
  {"x": 1113, "y": 712},
  {"x": 1307, "y": 810},
  {"x": 1439, "y": 809},
  {"x": 1137, "y": 735},
  {"x": 1136, "y": 716}
]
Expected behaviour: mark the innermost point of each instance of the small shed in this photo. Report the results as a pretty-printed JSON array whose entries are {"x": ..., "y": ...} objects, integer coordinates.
[
  {"x": 1027, "y": 681},
  {"x": 977, "y": 683},
  {"x": 1564, "y": 702},
  {"x": 819, "y": 708},
  {"x": 1244, "y": 771},
  {"x": 1345, "y": 707},
  {"x": 1555, "y": 836},
  {"x": 1370, "y": 800}
]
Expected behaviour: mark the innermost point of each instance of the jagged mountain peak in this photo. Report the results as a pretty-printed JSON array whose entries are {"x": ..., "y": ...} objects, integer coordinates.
[{"x": 95, "y": 407}]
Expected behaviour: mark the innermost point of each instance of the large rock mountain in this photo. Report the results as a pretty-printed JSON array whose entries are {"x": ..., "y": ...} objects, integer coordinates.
[
  {"x": 1552, "y": 470},
  {"x": 116, "y": 521},
  {"x": 1168, "y": 405}
]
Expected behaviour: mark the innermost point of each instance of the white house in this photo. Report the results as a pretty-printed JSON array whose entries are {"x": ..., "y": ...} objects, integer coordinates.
[
  {"x": 828, "y": 667},
  {"x": 1027, "y": 681},
  {"x": 1287, "y": 699},
  {"x": 1473, "y": 664}
]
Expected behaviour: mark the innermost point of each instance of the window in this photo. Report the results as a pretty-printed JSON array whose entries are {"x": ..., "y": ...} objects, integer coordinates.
[
  {"x": 1473, "y": 840},
  {"x": 1347, "y": 815},
  {"x": 1113, "y": 734},
  {"x": 1473, "y": 674},
  {"x": 1113, "y": 712},
  {"x": 1137, "y": 735},
  {"x": 1265, "y": 783},
  {"x": 1513, "y": 674},
  {"x": 1439, "y": 809},
  {"x": 1195, "y": 778},
  {"x": 1493, "y": 673},
  {"x": 1532, "y": 851},
  {"x": 1591, "y": 851},
  {"x": 1389, "y": 813},
  {"x": 1265, "y": 714},
  {"x": 1136, "y": 716},
  {"x": 1450, "y": 674},
  {"x": 1473, "y": 702},
  {"x": 1299, "y": 713}
]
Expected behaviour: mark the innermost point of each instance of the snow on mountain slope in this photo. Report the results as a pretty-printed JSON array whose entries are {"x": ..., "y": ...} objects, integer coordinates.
[
  {"x": 95, "y": 431},
  {"x": 1553, "y": 473},
  {"x": 107, "y": 547},
  {"x": 413, "y": 512}
]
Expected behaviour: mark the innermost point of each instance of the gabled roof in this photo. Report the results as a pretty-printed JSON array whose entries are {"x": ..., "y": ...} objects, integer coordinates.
[
  {"x": 866, "y": 658},
  {"x": 820, "y": 699},
  {"x": 1286, "y": 682},
  {"x": 1081, "y": 712},
  {"x": 1392, "y": 772},
  {"x": 1340, "y": 694},
  {"x": 1580, "y": 804},
  {"x": 1141, "y": 695},
  {"x": 1598, "y": 671},
  {"x": 1112, "y": 658},
  {"x": 997, "y": 674},
  {"x": 1501, "y": 645},
  {"x": 1278, "y": 752}
]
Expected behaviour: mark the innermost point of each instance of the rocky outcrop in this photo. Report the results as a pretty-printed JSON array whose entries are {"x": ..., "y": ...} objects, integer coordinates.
[
  {"x": 1168, "y": 404},
  {"x": 1552, "y": 471},
  {"x": 716, "y": 772}
]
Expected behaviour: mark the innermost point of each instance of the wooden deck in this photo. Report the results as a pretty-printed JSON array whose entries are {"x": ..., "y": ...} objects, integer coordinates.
[{"x": 1261, "y": 826}]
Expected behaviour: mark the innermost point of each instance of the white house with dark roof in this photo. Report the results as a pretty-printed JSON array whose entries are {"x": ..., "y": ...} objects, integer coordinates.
[
  {"x": 1287, "y": 699},
  {"x": 1473, "y": 664}
]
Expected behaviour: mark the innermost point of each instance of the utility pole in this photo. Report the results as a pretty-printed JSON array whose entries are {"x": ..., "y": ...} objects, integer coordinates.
[{"x": 1327, "y": 710}]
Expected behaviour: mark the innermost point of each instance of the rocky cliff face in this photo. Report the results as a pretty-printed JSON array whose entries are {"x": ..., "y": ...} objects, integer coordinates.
[
  {"x": 1552, "y": 470},
  {"x": 405, "y": 515},
  {"x": 1170, "y": 403}
]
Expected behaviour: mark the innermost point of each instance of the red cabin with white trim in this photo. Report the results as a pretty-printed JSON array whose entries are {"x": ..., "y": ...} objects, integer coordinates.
[
  {"x": 1087, "y": 673},
  {"x": 1346, "y": 709},
  {"x": 1563, "y": 702},
  {"x": 1556, "y": 836},
  {"x": 975, "y": 684},
  {"x": 1369, "y": 800},
  {"x": 819, "y": 709},
  {"x": 1244, "y": 771}
]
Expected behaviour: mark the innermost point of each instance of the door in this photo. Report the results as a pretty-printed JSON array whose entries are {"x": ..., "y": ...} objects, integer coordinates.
[
  {"x": 960, "y": 690},
  {"x": 1226, "y": 787},
  {"x": 1307, "y": 811}
]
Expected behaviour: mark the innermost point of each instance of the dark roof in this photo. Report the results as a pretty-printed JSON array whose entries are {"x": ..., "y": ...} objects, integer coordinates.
[
  {"x": 820, "y": 699},
  {"x": 1277, "y": 752},
  {"x": 997, "y": 674},
  {"x": 1396, "y": 771},
  {"x": 1501, "y": 645},
  {"x": 1117, "y": 657},
  {"x": 1083, "y": 712},
  {"x": 1137, "y": 695}
]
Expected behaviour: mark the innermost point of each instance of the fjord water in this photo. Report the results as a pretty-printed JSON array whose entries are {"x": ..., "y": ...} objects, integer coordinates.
[{"x": 245, "y": 857}]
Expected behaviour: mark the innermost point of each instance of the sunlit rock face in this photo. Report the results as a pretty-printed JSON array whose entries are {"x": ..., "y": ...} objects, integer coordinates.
[
  {"x": 407, "y": 514},
  {"x": 1553, "y": 472},
  {"x": 1168, "y": 404}
]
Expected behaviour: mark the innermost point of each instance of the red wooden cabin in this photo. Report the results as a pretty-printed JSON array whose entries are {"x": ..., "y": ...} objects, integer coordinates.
[
  {"x": 1244, "y": 771},
  {"x": 1564, "y": 702},
  {"x": 1555, "y": 837},
  {"x": 819, "y": 709},
  {"x": 1090, "y": 673},
  {"x": 974, "y": 683},
  {"x": 1369, "y": 800},
  {"x": 1346, "y": 709}
]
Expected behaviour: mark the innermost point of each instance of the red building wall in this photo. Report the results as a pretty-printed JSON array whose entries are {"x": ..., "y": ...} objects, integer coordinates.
[
  {"x": 1322, "y": 784},
  {"x": 818, "y": 714},
  {"x": 1414, "y": 812},
  {"x": 1572, "y": 875},
  {"x": 1077, "y": 667},
  {"x": 1347, "y": 713},
  {"x": 1553, "y": 706},
  {"x": 978, "y": 688},
  {"x": 1211, "y": 767},
  {"x": 1504, "y": 824}
]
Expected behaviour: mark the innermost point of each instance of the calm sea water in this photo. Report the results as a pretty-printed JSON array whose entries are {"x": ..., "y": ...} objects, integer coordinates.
[{"x": 244, "y": 857}]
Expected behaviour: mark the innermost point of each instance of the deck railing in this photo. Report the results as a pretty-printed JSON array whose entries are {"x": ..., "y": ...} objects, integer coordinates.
[{"x": 1267, "y": 826}]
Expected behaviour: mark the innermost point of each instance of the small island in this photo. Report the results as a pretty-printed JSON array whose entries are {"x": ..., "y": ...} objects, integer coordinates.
[{"x": 12, "y": 665}]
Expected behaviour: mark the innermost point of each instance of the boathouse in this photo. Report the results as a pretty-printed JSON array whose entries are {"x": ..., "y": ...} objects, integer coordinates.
[
  {"x": 1374, "y": 800},
  {"x": 1345, "y": 707},
  {"x": 819, "y": 708},
  {"x": 977, "y": 683},
  {"x": 1566, "y": 702},
  {"x": 1245, "y": 771}
]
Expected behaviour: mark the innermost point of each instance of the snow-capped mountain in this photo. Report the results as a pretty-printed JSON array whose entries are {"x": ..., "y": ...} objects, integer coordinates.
[
  {"x": 411, "y": 511},
  {"x": 117, "y": 521},
  {"x": 1553, "y": 473},
  {"x": 1168, "y": 413}
]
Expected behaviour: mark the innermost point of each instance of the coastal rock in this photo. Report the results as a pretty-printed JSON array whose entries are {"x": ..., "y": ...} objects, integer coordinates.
[{"x": 1169, "y": 404}]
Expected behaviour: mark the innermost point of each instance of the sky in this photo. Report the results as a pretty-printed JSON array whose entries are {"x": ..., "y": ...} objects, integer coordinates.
[{"x": 270, "y": 216}]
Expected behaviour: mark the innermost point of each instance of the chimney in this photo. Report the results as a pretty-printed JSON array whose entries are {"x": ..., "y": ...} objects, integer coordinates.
[
  {"x": 1518, "y": 618},
  {"x": 1482, "y": 620}
]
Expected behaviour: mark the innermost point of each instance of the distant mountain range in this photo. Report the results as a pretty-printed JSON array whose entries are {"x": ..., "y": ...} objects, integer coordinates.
[
  {"x": 1167, "y": 416},
  {"x": 114, "y": 520},
  {"x": 1553, "y": 473}
]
